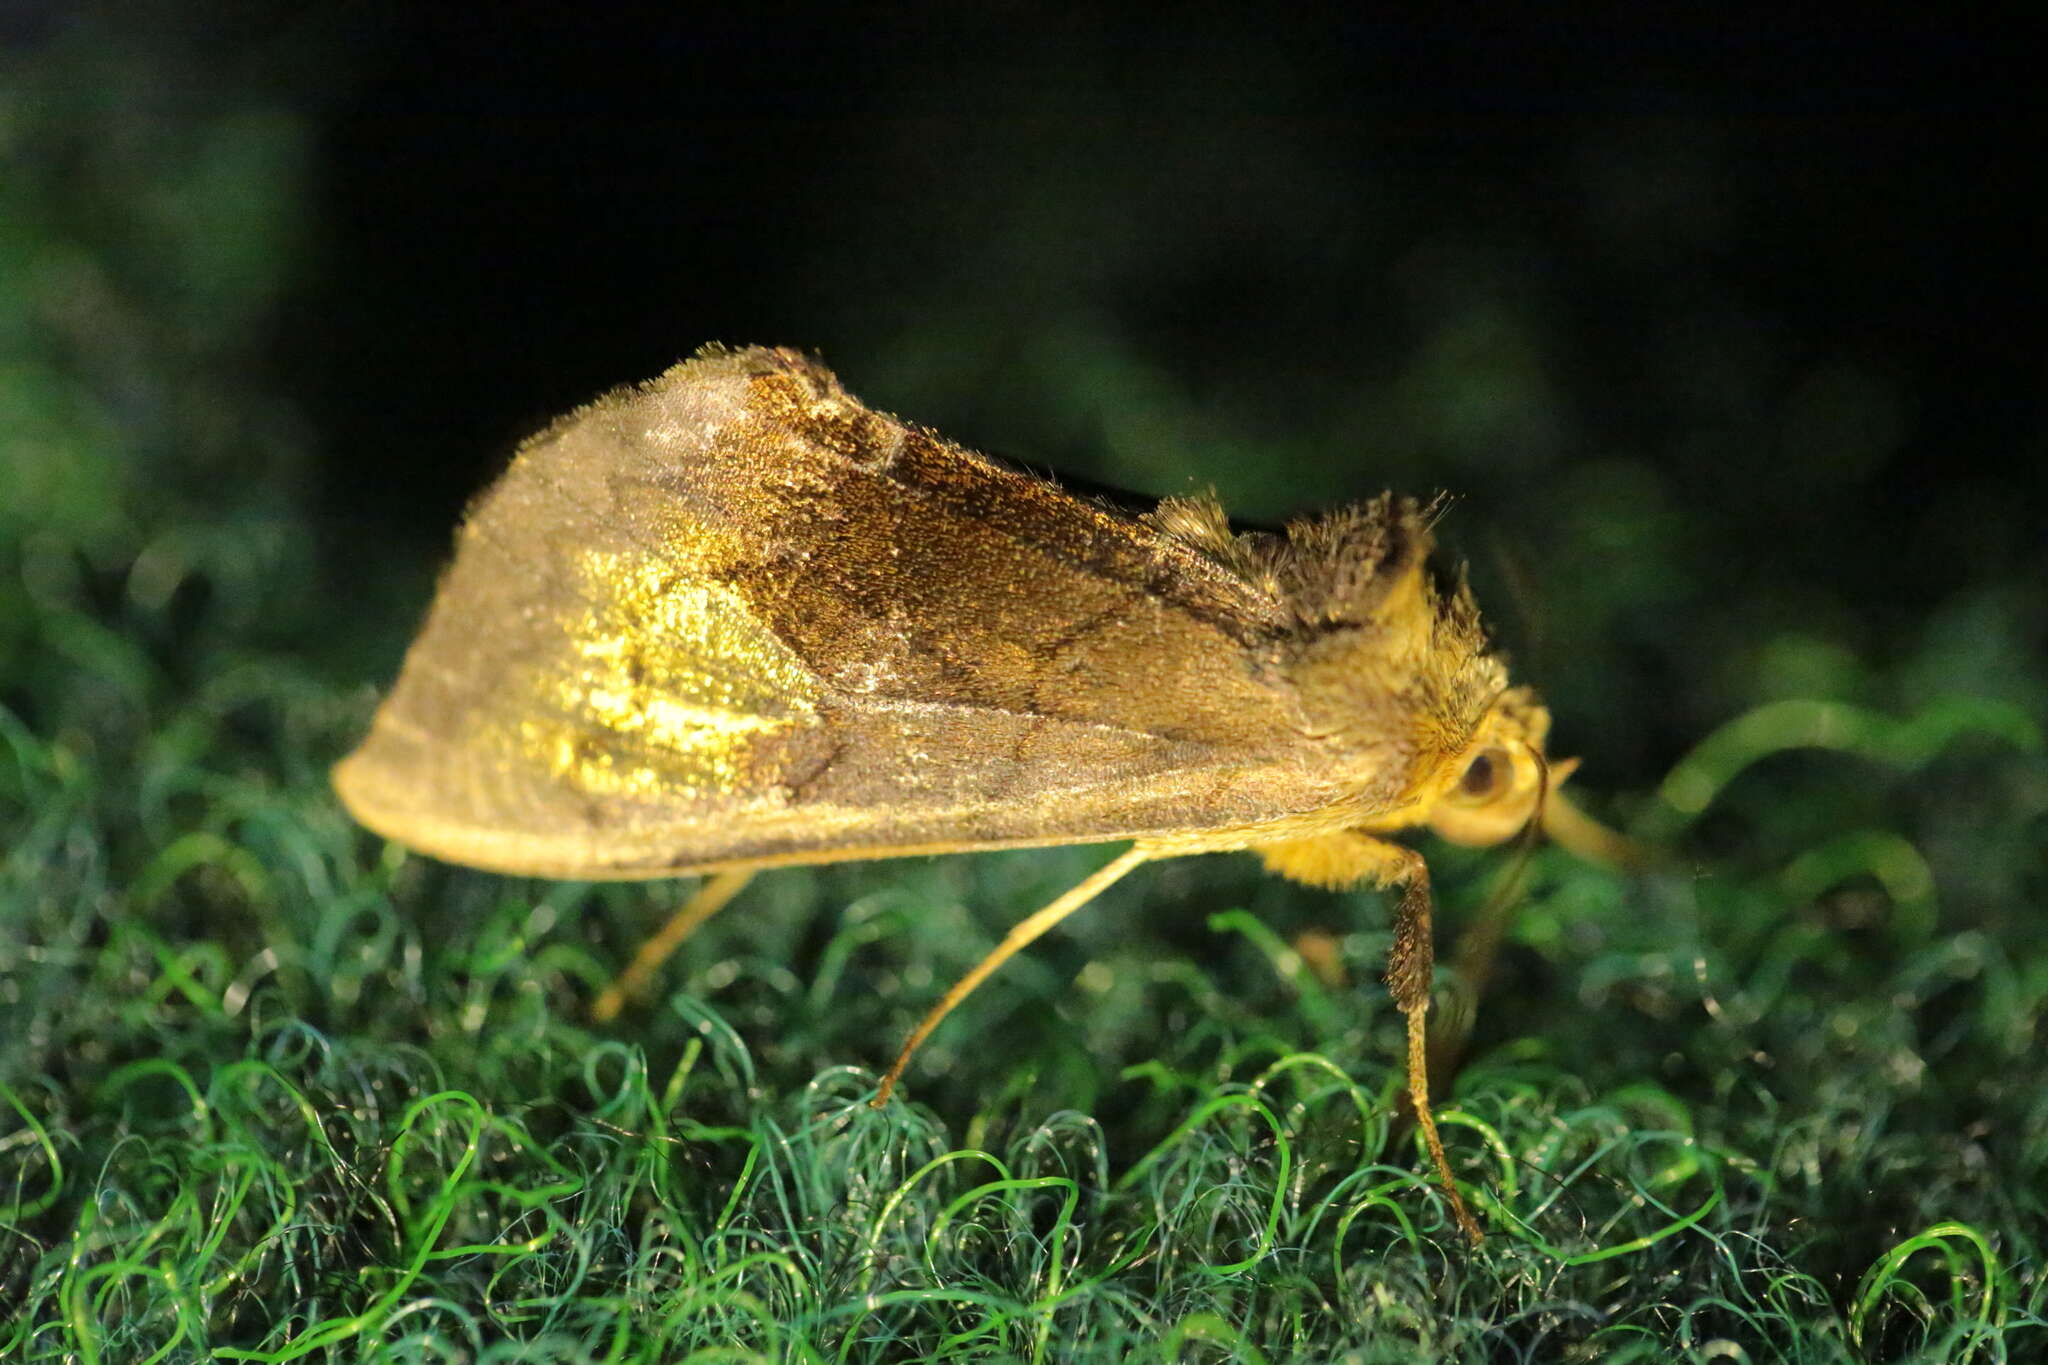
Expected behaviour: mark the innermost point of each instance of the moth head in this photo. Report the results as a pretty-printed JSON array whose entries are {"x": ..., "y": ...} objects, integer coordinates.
[{"x": 1501, "y": 781}]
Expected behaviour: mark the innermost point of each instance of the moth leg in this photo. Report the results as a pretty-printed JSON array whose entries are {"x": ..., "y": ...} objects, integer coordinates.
[
  {"x": 1020, "y": 936},
  {"x": 1344, "y": 859},
  {"x": 709, "y": 899}
]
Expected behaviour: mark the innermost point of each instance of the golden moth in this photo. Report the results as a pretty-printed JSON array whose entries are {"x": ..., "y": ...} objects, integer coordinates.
[{"x": 732, "y": 619}]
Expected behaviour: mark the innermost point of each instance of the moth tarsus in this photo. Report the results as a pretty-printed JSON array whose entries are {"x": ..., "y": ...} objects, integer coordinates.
[{"x": 733, "y": 619}]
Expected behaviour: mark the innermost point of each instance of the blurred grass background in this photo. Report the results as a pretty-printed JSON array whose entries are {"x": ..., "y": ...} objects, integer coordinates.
[{"x": 1728, "y": 341}]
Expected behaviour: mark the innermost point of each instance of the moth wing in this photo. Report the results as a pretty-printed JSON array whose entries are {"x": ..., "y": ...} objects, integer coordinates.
[{"x": 733, "y": 618}]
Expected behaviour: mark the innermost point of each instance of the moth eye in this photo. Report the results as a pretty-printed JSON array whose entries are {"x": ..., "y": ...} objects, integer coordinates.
[{"x": 1487, "y": 775}]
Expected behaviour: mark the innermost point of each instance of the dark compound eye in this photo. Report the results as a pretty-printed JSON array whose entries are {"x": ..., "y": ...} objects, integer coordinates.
[{"x": 1486, "y": 774}]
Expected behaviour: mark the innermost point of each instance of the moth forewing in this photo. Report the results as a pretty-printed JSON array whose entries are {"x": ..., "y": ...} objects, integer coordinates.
[{"x": 733, "y": 619}]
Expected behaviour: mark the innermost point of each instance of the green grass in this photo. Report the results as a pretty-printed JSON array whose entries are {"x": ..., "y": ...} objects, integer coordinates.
[{"x": 277, "y": 1091}]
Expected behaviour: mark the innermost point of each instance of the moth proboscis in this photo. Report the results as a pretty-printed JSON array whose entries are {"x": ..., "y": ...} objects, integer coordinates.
[{"x": 732, "y": 619}]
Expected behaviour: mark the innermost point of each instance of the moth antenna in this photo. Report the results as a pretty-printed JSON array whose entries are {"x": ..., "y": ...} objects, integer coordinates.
[
  {"x": 1020, "y": 937},
  {"x": 1479, "y": 945},
  {"x": 1576, "y": 832},
  {"x": 709, "y": 899}
]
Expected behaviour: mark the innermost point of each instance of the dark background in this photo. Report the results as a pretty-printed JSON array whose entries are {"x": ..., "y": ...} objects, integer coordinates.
[{"x": 1724, "y": 333}]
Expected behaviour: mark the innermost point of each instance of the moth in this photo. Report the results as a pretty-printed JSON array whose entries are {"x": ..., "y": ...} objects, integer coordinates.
[{"x": 732, "y": 619}]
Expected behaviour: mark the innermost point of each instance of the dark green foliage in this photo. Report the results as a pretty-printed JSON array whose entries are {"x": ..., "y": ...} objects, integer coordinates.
[{"x": 274, "y": 1094}]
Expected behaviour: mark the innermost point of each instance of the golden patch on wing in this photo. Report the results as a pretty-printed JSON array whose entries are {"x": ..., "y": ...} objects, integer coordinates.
[{"x": 668, "y": 688}]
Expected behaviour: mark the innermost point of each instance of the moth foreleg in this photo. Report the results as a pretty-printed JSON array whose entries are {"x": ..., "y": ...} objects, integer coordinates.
[
  {"x": 1345, "y": 858},
  {"x": 710, "y": 898}
]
